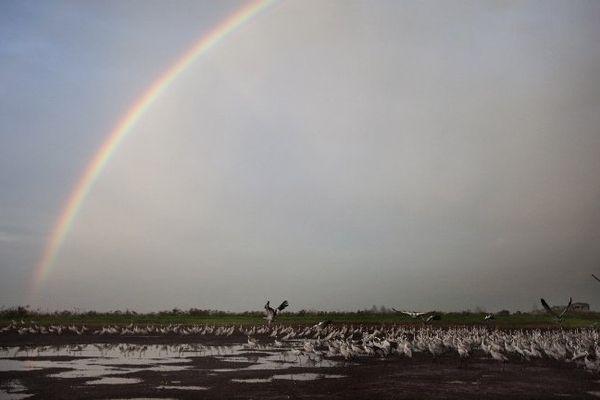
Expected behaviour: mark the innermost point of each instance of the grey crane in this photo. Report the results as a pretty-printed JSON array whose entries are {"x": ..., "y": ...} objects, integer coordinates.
[
  {"x": 557, "y": 316},
  {"x": 272, "y": 312}
]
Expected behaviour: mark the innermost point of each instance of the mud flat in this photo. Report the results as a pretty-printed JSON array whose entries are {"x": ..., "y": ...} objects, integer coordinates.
[{"x": 174, "y": 367}]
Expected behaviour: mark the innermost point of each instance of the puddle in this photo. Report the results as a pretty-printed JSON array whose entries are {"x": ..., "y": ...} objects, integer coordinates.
[
  {"x": 4, "y": 395},
  {"x": 103, "y": 361},
  {"x": 13, "y": 386},
  {"x": 253, "y": 380},
  {"x": 19, "y": 365},
  {"x": 116, "y": 350},
  {"x": 276, "y": 361},
  {"x": 307, "y": 376},
  {"x": 113, "y": 381},
  {"x": 167, "y": 387},
  {"x": 99, "y": 360},
  {"x": 90, "y": 373},
  {"x": 12, "y": 390},
  {"x": 166, "y": 368}
]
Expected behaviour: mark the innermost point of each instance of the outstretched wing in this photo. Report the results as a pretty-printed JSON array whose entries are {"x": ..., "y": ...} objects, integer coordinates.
[
  {"x": 283, "y": 305},
  {"x": 567, "y": 308},
  {"x": 412, "y": 314},
  {"x": 431, "y": 317},
  {"x": 596, "y": 278},
  {"x": 547, "y": 307}
]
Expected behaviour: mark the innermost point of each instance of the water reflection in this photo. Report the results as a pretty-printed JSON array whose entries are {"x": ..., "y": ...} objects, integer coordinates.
[
  {"x": 173, "y": 387},
  {"x": 306, "y": 376},
  {"x": 113, "y": 381},
  {"x": 110, "y": 363},
  {"x": 253, "y": 380},
  {"x": 13, "y": 390}
]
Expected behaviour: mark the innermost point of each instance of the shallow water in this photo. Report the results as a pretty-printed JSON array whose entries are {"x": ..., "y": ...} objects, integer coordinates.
[
  {"x": 113, "y": 381},
  {"x": 4, "y": 395},
  {"x": 253, "y": 380},
  {"x": 13, "y": 390},
  {"x": 174, "y": 387},
  {"x": 306, "y": 376},
  {"x": 279, "y": 360},
  {"x": 110, "y": 364}
]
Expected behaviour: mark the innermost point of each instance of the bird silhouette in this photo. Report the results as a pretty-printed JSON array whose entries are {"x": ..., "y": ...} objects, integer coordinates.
[
  {"x": 272, "y": 312},
  {"x": 557, "y": 316}
]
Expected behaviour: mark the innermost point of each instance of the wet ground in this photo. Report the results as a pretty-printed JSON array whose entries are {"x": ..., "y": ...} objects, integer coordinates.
[{"x": 92, "y": 367}]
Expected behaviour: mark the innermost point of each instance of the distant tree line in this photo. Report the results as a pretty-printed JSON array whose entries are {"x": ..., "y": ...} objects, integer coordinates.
[{"x": 26, "y": 312}]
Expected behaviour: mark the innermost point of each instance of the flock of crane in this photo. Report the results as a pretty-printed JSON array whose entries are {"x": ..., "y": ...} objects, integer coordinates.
[
  {"x": 327, "y": 340},
  {"x": 270, "y": 314}
]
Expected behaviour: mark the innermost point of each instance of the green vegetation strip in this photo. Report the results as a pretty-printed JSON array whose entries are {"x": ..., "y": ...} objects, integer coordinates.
[{"x": 208, "y": 317}]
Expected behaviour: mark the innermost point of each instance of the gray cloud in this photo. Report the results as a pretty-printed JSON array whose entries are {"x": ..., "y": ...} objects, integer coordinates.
[{"x": 339, "y": 155}]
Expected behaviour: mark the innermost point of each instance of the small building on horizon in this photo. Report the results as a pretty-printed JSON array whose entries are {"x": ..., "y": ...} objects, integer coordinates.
[
  {"x": 579, "y": 306},
  {"x": 575, "y": 307}
]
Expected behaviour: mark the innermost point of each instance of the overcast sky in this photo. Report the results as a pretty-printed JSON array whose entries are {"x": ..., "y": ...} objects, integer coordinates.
[{"x": 339, "y": 154}]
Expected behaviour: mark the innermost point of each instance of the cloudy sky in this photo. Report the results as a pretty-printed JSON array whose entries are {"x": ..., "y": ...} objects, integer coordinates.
[{"x": 339, "y": 154}]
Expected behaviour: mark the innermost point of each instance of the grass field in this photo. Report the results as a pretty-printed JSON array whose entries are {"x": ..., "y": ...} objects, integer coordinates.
[{"x": 510, "y": 321}]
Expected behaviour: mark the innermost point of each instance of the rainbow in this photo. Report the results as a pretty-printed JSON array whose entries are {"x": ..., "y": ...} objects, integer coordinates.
[{"x": 124, "y": 126}]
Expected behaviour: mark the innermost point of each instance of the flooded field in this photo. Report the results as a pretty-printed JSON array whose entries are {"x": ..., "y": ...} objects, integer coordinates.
[
  {"x": 71, "y": 366},
  {"x": 238, "y": 366}
]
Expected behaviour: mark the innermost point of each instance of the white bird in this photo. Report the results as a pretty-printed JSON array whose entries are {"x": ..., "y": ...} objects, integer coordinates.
[
  {"x": 407, "y": 349},
  {"x": 463, "y": 352},
  {"x": 430, "y": 318},
  {"x": 252, "y": 342},
  {"x": 496, "y": 355},
  {"x": 412, "y": 314},
  {"x": 308, "y": 347},
  {"x": 488, "y": 317},
  {"x": 272, "y": 312},
  {"x": 322, "y": 324},
  {"x": 426, "y": 317},
  {"x": 296, "y": 352}
]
